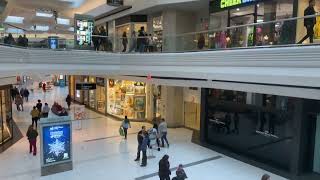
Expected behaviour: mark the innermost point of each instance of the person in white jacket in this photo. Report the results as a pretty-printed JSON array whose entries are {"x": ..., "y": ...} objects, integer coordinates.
[{"x": 163, "y": 130}]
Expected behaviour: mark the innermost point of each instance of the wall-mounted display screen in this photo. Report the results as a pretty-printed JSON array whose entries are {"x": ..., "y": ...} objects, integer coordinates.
[
  {"x": 56, "y": 143},
  {"x": 83, "y": 30},
  {"x": 115, "y": 2}
]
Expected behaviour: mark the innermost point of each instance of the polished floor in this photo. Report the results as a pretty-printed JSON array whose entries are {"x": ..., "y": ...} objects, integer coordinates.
[{"x": 99, "y": 152}]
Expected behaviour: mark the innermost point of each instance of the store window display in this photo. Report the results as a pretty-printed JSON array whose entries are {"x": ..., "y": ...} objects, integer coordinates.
[
  {"x": 101, "y": 95},
  {"x": 6, "y": 115},
  {"x": 127, "y": 98}
]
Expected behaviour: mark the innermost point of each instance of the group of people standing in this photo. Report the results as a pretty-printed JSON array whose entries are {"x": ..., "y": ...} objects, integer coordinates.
[
  {"x": 146, "y": 139},
  {"x": 100, "y": 40},
  {"x": 21, "y": 41},
  {"x": 142, "y": 43},
  {"x": 19, "y": 96}
]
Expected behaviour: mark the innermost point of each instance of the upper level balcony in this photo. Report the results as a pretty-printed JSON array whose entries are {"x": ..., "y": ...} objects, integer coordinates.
[{"x": 267, "y": 57}]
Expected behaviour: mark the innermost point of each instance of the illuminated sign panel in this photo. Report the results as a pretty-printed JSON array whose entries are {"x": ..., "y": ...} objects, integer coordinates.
[
  {"x": 220, "y": 5},
  {"x": 83, "y": 31}
]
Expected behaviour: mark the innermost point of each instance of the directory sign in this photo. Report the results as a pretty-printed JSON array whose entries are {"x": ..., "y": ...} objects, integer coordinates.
[
  {"x": 53, "y": 42},
  {"x": 83, "y": 30},
  {"x": 56, "y": 143}
]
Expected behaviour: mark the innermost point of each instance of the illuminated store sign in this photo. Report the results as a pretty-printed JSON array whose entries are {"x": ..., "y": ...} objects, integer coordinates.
[
  {"x": 220, "y": 5},
  {"x": 56, "y": 143},
  {"x": 230, "y": 3}
]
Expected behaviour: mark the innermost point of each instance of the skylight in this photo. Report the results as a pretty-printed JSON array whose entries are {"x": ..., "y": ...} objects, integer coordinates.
[
  {"x": 75, "y": 3},
  {"x": 71, "y": 29},
  {"x": 14, "y": 19},
  {"x": 63, "y": 21},
  {"x": 14, "y": 31},
  {"x": 43, "y": 14},
  {"x": 40, "y": 28}
]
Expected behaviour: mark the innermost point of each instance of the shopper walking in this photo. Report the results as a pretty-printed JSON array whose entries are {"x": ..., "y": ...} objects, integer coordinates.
[
  {"x": 39, "y": 106},
  {"x": 154, "y": 136},
  {"x": 265, "y": 177},
  {"x": 181, "y": 174},
  {"x": 133, "y": 42},
  {"x": 22, "y": 92},
  {"x": 141, "y": 40},
  {"x": 201, "y": 41},
  {"x": 32, "y": 135},
  {"x": 45, "y": 110},
  {"x": 35, "y": 114},
  {"x": 26, "y": 94},
  {"x": 163, "y": 130},
  {"x": 164, "y": 168},
  {"x": 125, "y": 125},
  {"x": 309, "y": 22},
  {"x": 13, "y": 94},
  {"x": 19, "y": 102},
  {"x": 144, "y": 147},
  {"x": 68, "y": 100},
  {"x": 96, "y": 39},
  {"x": 124, "y": 41},
  {"x": 140, "y": 140}
]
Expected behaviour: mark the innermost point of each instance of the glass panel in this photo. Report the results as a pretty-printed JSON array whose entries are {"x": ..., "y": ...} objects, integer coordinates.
[{"x": 246, "y": 124}]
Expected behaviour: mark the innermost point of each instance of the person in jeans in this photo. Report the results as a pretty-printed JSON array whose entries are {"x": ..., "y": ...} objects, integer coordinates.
[
  {"x": 35, "y": 116},
  {"x": 19, "y": 102},
  {"x": 45, "y": 110},
  {"x": 140, "y": 140},
  {"x": 125, "y": 125},
  {"x": 309, "y": 22},
  {"x": 39, "y": 106},
  {"x": 144, "y": 147},
  {"x": 164, "y": 168},
  {"x": 32, "y": 135},
  {"x": 26, "y": 94},
  {"x": 163, "y": 130}
]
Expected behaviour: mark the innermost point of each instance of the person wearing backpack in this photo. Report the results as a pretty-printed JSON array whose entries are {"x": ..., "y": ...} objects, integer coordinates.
[{"x": 125, "y": 126}]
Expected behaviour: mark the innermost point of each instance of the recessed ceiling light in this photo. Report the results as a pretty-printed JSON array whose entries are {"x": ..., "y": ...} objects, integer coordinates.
[
  {"x": 238, "y": 9},
  {"x": 14, "y": 19},
  {"x": 71, "y": 29},
  {"x": 63, "y": 21},
  {"x": 43, "y": 14}
]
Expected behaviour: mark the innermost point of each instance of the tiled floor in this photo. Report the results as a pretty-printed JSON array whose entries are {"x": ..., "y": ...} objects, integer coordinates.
[{"x": 99, "y": 153}]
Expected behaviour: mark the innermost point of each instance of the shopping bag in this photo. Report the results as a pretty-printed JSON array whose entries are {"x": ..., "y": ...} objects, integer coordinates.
[{"x": 121, "y": 132}]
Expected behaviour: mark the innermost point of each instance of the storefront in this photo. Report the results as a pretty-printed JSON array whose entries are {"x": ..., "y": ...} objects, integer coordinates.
[
  {"x": 228, "y": 13},
  {"x": 101, "y": 94},
  {"x": 273, "y": 132},
  {"x": 126, "y": 98},
  {"x": 128, "y": 24},
  {"x": 191, "y": 106},
  {"x": 6, "y": 124}
]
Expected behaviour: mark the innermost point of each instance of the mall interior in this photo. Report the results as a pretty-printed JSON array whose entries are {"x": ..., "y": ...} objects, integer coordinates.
[{"x": 236, "y": 83}]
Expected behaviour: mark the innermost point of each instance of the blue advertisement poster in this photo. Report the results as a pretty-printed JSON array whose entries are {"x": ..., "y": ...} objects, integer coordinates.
[
  {"x": 56, "y": 143},
  {"x": 53, "y": 42}
]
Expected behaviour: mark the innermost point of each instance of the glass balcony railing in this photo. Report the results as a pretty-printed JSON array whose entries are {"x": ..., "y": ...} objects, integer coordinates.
[{"x": 292, "y": 31}]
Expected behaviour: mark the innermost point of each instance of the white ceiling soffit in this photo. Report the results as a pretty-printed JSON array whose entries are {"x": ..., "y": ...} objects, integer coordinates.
[{"x": 100, "y": 10}]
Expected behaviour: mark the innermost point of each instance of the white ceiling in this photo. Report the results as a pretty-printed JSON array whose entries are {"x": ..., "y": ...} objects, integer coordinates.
[{"x": 65, "y": 8}]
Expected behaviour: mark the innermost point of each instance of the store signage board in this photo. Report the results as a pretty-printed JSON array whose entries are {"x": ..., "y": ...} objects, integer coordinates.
[
  {"x": 83, "y": 27},
  {"x": 220, "y": 5},
  {"x": 56, "y": 145},
  {"x": 86, "y": 86},
  {"x": 115, "y": 2}
]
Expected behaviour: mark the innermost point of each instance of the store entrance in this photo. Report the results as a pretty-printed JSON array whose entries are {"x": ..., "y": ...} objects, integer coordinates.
[{"x": 243, "y": 36}]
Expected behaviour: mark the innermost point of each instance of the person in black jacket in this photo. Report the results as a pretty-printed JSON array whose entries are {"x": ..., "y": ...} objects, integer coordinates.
[
  {"x": 164, "y": 168},
  {"x": 32, "y": 135},
  {"x": 39, "y": 106},
  {"x": 309, "y": 22},
  {"x": 140, "y": 140}
]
